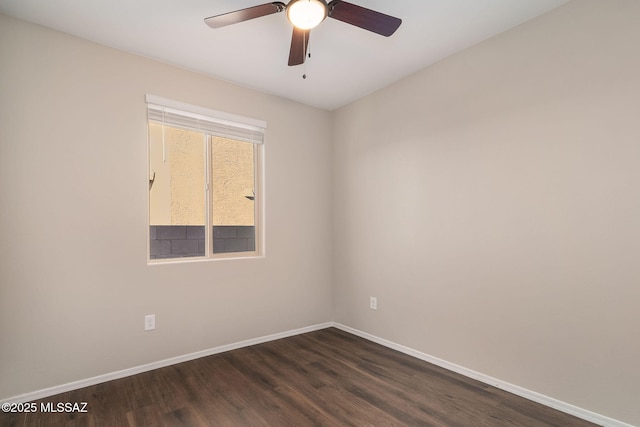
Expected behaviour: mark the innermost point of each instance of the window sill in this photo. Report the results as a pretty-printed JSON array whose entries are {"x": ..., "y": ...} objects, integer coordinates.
[{"x": 226, "y": 257}]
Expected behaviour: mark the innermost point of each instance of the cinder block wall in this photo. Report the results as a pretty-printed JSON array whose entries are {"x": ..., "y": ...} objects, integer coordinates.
[{"x": 181, "y": 241}]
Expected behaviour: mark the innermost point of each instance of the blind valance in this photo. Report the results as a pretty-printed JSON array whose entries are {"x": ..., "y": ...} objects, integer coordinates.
[{"x": 186, "y": 116}]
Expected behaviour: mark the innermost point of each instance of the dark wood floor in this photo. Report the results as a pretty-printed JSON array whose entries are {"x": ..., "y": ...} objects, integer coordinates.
[{"x": 323, "y": 378}]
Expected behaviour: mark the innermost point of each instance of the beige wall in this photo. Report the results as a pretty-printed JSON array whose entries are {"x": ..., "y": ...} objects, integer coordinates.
[
  {"x": 74, "y": 279},
  {"x": 176, "y": 164},
  {"x": 233, "y": 180},
  {"x": 492, "y": 205}
]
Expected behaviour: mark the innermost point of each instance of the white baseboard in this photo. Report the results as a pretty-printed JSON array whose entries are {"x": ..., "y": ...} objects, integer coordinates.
[
  {"x": 519, "y": 391},
  {"x": 511, "y": 388},
  {"x": 51, "y": 391}
]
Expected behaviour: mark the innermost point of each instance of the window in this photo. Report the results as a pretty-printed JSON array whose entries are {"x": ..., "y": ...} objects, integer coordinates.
[{"x": 204, "y": 182}]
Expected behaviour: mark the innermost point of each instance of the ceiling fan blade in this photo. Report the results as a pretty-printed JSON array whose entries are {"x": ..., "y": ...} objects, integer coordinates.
[
  {"x": 244, "y": 14},
  {"x": 299, "y": 43},
  {"x": 362, "y": 17}
]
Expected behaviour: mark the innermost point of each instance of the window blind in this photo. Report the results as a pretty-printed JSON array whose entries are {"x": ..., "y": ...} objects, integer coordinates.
[{"x": 186, "y": 116}]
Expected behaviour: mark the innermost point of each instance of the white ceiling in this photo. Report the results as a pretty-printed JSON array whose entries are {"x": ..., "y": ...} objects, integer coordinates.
[{"x": 346, "y": 64}]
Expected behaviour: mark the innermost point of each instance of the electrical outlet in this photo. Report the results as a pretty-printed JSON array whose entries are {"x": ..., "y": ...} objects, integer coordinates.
[
  {"x": 149, "y": 322},
  {"x": 373, "y": 303}
]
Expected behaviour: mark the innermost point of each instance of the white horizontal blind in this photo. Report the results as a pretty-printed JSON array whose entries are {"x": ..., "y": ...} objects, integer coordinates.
[{"x": 174, "y": 113}]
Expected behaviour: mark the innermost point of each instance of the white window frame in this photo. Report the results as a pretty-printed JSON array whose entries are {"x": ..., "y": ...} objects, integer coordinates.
[{"x": 213, "y": 123}]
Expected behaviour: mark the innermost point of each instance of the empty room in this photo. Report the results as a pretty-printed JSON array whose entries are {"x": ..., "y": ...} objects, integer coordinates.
[{"x": 413, "y": 213}]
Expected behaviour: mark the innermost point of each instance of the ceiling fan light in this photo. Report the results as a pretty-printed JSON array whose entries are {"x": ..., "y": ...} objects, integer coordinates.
[{"x": 306, "y": 14}]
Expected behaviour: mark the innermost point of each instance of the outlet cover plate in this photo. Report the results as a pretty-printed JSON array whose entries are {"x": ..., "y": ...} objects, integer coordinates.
[{"x": 149, "y": 322}]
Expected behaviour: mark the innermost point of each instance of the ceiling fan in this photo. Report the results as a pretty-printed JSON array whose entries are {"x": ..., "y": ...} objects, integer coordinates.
[{"x": 307, "y": 14}]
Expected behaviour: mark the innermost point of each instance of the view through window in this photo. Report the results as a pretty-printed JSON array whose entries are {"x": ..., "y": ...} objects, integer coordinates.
[{"x": 204, "y": 195}]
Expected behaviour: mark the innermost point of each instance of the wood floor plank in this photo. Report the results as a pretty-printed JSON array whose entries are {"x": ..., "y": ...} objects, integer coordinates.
[
  {"x": 315, "y": 388},
  {"x": 322, "y": 378},
  {"x": 400, "y": 384}
]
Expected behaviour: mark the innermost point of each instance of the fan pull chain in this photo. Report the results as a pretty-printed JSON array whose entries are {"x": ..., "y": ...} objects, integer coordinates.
[{"x": 308, "y": 54}]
